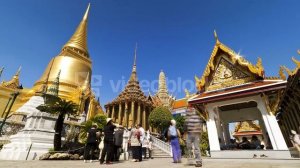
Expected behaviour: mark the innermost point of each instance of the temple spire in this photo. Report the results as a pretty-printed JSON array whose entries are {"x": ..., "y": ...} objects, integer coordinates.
[
  {"x": 133, "y": 76},
  {"x": 216, "y": 36},
  {"x": 54, "y": 88},
  {"x": 79, "y": 38}
]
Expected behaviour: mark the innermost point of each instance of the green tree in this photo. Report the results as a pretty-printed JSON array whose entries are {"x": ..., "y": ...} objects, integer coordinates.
[
  {"x": 99, "y": 119},
  {"x": 160, "y": 118},
  {"x": 204, "y": 143},
  {"x": 180, "y": 123},
  {"x": 59, "y": 107}
]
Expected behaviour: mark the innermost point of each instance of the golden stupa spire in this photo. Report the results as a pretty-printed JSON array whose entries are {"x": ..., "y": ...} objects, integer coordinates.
[
  {"x": 133, "y": 74},
  {"x": 79, "y": 38}
]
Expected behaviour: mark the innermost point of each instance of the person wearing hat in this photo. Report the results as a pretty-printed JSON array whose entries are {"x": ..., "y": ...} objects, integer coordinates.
[
  {"x": 108, "y": 142},
  {"x": 118, "y": 142},
  {"x": 91, "y": 143}
]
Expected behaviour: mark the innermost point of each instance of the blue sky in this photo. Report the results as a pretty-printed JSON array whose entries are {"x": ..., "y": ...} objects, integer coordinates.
[{"x": 173, "y": 35}]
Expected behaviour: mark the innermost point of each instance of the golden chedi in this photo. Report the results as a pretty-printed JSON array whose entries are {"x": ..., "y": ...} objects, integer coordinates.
[{"x": 75, "y": 67}]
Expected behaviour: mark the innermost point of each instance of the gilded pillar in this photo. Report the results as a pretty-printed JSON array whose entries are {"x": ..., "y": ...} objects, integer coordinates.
[
  {"x": 131, "y": 115},
  {"x": 113, "y": 112},
  {"x": 139, "y": 114},
  {"x": 108, "y": 111},
  {"x": 119, "y": 114},
  {"x": 126, "y": 115},
  {"x": 144, "y": 117}
]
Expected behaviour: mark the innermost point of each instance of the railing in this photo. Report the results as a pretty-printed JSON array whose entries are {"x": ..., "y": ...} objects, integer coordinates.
[{"x": 162, "y": 145}]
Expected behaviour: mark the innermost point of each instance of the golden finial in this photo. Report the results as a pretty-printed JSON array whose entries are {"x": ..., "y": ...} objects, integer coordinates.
[
  {"x": 79, "y": 38},
  {"x": 296, "y": 62},
  {"x": 288, "y": 71},
  {"x": 133, "y": 74},
  {"x": 216, "y": 36},
  {"x": 18, "y": 72},
  {"x": 85, "y": 17},
  {"x": 281, "y": 73},
  {"x": 135, "y": 50},
  {"x": 187, "y": 93}
]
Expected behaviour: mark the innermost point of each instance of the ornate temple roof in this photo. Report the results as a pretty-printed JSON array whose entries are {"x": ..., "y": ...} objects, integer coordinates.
[
  {"x": 244, "y": 128},
  {"x": 132, "y": 91},
  {"x": 255, "y": 70},
  {"x": 14, "y": 83}
]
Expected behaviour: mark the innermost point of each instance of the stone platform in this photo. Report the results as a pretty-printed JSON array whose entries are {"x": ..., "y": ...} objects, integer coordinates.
[{"x": 159, "y": 162}]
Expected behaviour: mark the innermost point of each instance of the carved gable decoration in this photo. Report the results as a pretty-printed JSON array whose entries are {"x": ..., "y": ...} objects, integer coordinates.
[
  {"x": 226, "y": 68},
  {"x": 228, "y": 74}
]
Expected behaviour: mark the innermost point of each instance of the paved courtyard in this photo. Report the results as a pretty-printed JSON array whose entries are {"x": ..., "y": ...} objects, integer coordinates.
[{"x": 157, "y": 163}]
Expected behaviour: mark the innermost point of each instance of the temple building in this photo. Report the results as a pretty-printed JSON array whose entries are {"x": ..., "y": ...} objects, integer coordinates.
[
  {"x": 232, "y": 89},
  {"x": 288, "y": 112},
  {"x": 162, "y": 97},
  {"x": 132, "y": 106},
  {"x": 247, "y": 129},
  {"x": 75, "y": 67}
]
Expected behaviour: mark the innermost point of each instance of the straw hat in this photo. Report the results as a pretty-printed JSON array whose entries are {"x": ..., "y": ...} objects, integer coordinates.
[{"x": 108, "y": 120}]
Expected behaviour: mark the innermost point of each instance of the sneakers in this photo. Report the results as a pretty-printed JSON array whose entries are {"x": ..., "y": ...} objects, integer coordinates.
[
  {"x": 91, "y": 161},
  {"x": 198, "y": 164},
  {"x": 85, "y": 161}
]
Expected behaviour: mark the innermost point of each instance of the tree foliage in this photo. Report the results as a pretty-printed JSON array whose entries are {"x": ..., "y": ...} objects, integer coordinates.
[
  {"x": 160, "y": 118},
  {"x": 180, "y": 123},
  {"x": 204, "y": 143},
  {"x": 99, "y": 119},
  {"x": 61, "y": 108}
]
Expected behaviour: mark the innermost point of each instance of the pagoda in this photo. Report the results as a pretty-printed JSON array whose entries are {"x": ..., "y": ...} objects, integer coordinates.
[
  {"x": 162, "y": 97},
  {"x": 131, "y": 106}
]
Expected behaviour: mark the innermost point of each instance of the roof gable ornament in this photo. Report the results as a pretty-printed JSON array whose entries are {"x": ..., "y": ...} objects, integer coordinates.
[
  {"x": 236, "y": 59},
  {"x": 14, "y": 83}
]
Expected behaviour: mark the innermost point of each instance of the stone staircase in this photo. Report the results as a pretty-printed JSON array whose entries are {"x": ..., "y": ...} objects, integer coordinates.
[
  {"x": 158, "y": 153},
  {"x": 160, "y": 149}
]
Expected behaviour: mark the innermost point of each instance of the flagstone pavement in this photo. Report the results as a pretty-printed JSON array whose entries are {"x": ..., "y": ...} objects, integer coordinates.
[{"x": 157, "y": 163}]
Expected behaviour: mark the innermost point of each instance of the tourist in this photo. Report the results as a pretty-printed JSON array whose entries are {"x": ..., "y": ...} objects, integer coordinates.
[
  {"x": 143, "y": 142},
  {"x": 135, "y": 144},
  {"x": 149, "y": 146},
  {"x": 193, "y": 128},
  {"x": 295, "y": 138},
  {"x": 91, "y": 143},
  {"x": 118, "y": 142},
  {"x": 255, "y": 143},
  {"x": 245, "y": 144},
  {"x": 173, "y": 137},
  {"x": 108, "y": 142},
  {"x": 232, "y": 145}
]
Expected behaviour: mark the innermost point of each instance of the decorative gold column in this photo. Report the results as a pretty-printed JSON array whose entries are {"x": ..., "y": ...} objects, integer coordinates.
[
  {"x": 144, "y": 117},
  {"x": 131, "y": 116},
  {"x": 113, "y": 112},
  {"x": 119, "y": 114},
  {"x": 126, "y": 115},
  {"x": 108, "y": 111},
  {"x": 139, "y": 114}
]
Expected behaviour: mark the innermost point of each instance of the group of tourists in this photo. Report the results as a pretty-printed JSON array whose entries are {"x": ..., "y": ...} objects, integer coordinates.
[
  {"x": 109, "y": 141},
  {"x": 140, "y": 143},
  {"x": 254, "y": 144}
]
